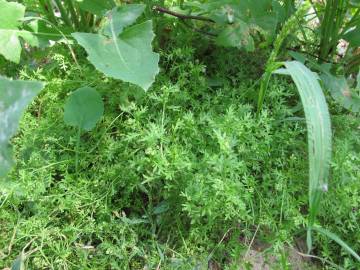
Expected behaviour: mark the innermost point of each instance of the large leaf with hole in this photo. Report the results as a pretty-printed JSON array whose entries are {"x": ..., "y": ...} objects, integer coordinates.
[
  {"x": 10, "y": 20},
  {"x": 341, "y": 91},
  {"x": 319, "y": 133},
  {"x": 120, "y": 17},
  {"x": 14, "y": 98},
  {"x": 123, "y": 54},
  {"x": 236, "y": 35},
  {"x": 239, "y": 22},
  {"x": 84, "y": 108}
]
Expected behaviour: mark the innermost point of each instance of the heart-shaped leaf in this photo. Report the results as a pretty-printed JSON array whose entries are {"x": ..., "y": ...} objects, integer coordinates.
[
  {"x": 14, "y": 98},
  {"x": 128, "y": 56},
  {"x": 84, "y": 108}
]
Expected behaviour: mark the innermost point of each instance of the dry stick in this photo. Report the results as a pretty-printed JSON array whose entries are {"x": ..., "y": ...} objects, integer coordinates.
[
  {"x": 182, "y": 16},
  {"x": 252, "y": 241},
  {"x": 12, "y": 240},
  {"x": 197, "y": 29},
  {"x": 222, "y": 239},
  {"x": 323, "y": 260}
]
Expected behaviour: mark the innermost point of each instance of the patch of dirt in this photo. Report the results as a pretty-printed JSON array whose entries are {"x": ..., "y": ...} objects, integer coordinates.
[{"x": 258, "y": 260}]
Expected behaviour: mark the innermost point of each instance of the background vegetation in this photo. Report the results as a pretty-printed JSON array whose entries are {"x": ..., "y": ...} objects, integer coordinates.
[{"x": 200, "y": 171}]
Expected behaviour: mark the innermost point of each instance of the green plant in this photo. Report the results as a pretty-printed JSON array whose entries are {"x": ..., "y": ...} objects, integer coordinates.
[
  {"x": 82, "y": 15},
  {"x": 83, "y": 109},
  {"x": 319, "y": 136},
  {"x": 244, "y": 25},
  {"x": 125, "y": 56},
  {"x": 318, "y": 124},
  {"x": 190, "y": 174},
  {"x": 10, "y": 46},
  {"x": 272, "y": 64},
  {"x": 338, "y": 20}
]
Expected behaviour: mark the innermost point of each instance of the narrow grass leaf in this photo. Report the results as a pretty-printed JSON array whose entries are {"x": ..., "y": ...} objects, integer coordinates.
[
  {"x": 337, "y": 240},
  {"x": 319, "y": 135}
]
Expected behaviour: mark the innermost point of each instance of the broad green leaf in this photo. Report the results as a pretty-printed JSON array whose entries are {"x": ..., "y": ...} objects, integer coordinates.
[
  {"x": 97, "y": 7},
  {"x": 11, "y": 15},
  {"x": 84, "y": 108},
  {"x": 239, "y": 21},
  {"x": 120, "y": 17},
  {"x": 319, "y": 134},
  {"x": 14, "y": 98},
  {"x": 128, "y": 57},
  {"x": 341, "y": 91}
]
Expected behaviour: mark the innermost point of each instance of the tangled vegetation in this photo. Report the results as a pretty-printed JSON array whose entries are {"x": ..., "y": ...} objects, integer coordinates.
[{"x": 179, "y": 134}]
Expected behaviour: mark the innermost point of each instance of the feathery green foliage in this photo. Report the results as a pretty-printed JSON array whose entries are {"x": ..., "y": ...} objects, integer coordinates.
[{"x": 193, "y": 173}]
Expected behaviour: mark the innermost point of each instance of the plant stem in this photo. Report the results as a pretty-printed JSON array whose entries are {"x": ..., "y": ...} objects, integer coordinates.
[
  {"x": 182, "y": 16},
  {"x": 77, "y": 151},
  {"x": 271, "y": 64}
]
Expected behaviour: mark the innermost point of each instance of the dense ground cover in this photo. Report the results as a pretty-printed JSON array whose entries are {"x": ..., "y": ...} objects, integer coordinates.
[
  {"x": 166, "y": 175},
  {"x": 183, "y": 176}
]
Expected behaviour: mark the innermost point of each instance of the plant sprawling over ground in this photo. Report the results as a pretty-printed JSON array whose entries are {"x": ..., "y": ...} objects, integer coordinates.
[{"x": 179, "y": 134}]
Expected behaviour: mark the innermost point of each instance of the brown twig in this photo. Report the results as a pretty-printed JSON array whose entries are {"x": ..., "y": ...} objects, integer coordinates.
[
  {"x": 182, "y": 16},
  {"x": 198, "y": 30},
  {"x": 312, "y": 55}
]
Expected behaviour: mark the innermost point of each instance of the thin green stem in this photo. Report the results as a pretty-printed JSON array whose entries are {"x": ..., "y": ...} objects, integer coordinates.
[
  {"x": 77, "y": 151},
  {"x": 271, "y": 64}
]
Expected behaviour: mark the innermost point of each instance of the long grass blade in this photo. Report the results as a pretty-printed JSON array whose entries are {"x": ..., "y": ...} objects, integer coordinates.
[
  {"x": 337, "y": 240},
  {"x": 319, "y": 135}
]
